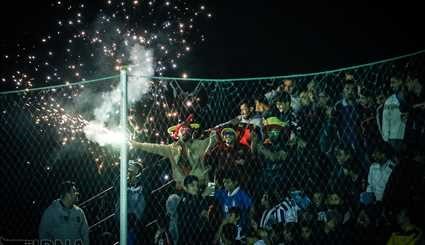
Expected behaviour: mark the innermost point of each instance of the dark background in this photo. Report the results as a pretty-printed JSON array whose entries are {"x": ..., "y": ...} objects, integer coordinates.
[{"x": 261, "y": 38}]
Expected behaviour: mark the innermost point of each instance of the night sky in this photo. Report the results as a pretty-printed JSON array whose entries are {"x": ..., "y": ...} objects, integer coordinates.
[{"x": 261, "y": 38}]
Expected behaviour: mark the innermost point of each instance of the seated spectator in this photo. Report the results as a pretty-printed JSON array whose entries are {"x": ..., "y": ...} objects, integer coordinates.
[
  {"x": 332, "y": 232},
  {"x": 290, "y": 210},
  {"x": 271, "y": 211},
  {"x": 307, "y": 236},
  {"x": 229, "y": 232},
  {"x": 346, "y": 176},
  {"x": 290, "y": 234}
]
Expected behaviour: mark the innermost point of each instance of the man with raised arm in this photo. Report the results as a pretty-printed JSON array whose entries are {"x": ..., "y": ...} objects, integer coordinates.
[{"x": 186, "y": 154}]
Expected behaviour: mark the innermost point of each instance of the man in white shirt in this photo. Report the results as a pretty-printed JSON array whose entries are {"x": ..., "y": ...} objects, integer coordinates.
[
  {"x": 394, "y": 115},
  {"x": 379, "y": 173}
]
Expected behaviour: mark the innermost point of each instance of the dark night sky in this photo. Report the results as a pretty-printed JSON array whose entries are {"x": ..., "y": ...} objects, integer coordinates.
[{"x": 259, "y": 38}]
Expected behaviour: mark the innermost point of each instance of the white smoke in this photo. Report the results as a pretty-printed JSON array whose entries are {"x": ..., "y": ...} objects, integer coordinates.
[
  {"x": 139, "y": 71},
  {"x": 97, "y": 132}
]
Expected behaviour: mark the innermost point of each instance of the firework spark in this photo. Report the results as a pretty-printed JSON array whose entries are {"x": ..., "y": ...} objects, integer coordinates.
[{"x": 91, "y": 39}]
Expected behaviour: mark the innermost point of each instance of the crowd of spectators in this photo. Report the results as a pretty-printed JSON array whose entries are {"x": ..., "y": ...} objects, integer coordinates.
[
  {"x": 298, "y": 166},
  {"x": 305, "y": 167}
]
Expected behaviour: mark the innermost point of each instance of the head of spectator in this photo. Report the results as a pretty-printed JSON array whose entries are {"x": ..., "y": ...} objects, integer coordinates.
[
  {"x": 191, "y": 184},
  {"x": 269, "y": 199},
  {"x": 228, "y": 234},
  {"x": 134, "y": 170},
  {"x": 273, "y": 127},
  {"x": 312, "y": 86},
  {"x": 184, "y": 130},
  {"x": 228, "y": 135},
  {"x": 230, "y": 180},
  {"x": 290, "y": 233},
  {"x": 276, "y": 235},
  {"x": 363, "y": 219},
  {"x": 234, "y": 215},
  {"x": 333, "y": 220},
  {"x": 246, "y": 109},
  {"x": 323, "y": 99},
  {"x": 306, "y": 98},
  {"x": 365, "y": 98},
  {"x": 318, "y": 199},
  {"x": 404, "y": 218},
  {"x": 307, "y": 217},
  {"x": 282, "y": 102},
  {"x": 397, "y": 83},
  {"x": 381, "y": 153},
  {"x": 334, "y": 200},
  {"x": 261, "y": 105},
  {"x": 68, "y": 193},
  {"x": 414, "y": 86},
  {"x": 380, "y": 98},
  {"x": 349, "y": 91},
  {"x": 288, "y": 86},
  {"x": 306, "y": 232},
  {"x": 342, "y": 155}
]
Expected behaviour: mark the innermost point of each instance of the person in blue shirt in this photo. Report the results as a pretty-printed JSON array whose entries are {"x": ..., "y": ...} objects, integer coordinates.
[{"x": 231, "y": 196}]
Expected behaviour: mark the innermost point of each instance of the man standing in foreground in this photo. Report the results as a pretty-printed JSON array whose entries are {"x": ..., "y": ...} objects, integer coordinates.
[{"x": 63, "y": 220}]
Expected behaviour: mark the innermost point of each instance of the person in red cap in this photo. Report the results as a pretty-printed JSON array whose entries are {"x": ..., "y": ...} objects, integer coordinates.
[{"x": 186, "y": 154}]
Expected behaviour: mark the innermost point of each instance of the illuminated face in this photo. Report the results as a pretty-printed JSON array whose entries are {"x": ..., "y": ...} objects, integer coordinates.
[
  {"x": 193, "y": 188},
  {"x": 229, "y": 139},
  {"x": 282, "y": 106},
  {"x": 306, "y": 232},
  {"x": 245, "y": 111},
  {"x": 184, "y": 133},
  {"x": 265, "y": 200},
  {"x": 364, "y": 100},
  {"x": 341, "y": 156},
  {"x": 288, "y": 86},
  {"x": 349, "y": 91},
  {"x": 273, "y": 134},
  {"x": 333, "y": 199},
  {"x": 260, "y": 107},
  {"x": 323, "y": 99},
  {"x": 305, "y": 99},
  {"x": 73, "y": 195},
  {"x": 287, "y": 235},
  {"x": 378, "y": 156},
  {"x": 229, "y": 185},
  {"x": 395, "y": 84},
  {"x": 318, "y": 198}
]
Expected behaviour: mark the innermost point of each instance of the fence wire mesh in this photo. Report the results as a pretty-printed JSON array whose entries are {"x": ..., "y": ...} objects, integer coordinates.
[{"x": 321, "y": 158}]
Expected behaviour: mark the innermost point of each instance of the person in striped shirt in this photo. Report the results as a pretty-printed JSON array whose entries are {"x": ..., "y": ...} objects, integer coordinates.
[
  {"x": 270, "y": 214},
  {"x": 275, "y": 212}
]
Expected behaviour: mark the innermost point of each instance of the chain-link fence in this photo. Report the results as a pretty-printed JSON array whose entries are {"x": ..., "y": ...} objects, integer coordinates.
[{"x": 302, "y": 159}]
